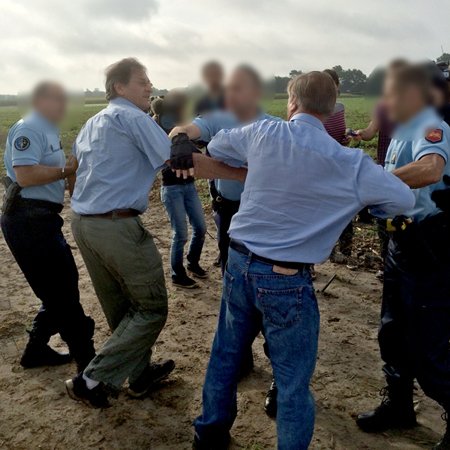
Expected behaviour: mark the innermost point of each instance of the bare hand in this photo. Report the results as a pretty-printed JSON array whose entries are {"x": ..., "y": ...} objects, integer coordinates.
[{"x": 71, "y": 166}]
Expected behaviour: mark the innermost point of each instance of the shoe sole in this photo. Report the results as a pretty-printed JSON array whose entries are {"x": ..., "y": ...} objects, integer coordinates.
[
  {"x": 196, "y": 275},
  {"x": 156, "y": 381},
  {"x": 73, "y": 396},
  {"x": 193, "y": 286}
]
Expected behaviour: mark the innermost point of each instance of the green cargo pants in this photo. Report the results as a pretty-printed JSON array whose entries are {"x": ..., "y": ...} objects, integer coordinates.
[{"x": 126, "y": 271}]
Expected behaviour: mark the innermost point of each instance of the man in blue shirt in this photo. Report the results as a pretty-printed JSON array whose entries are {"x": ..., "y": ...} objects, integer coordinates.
[
  {"x": 36, "y": 166},
  {"x": 415, "y": 318},
  {"x": 119, "y": 151},
  {"x": 301, "y": 190}
]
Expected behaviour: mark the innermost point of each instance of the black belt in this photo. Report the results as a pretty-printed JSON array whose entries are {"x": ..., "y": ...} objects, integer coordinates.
[
  {"x": 115, "y": 214},
  {"x": 241, "y": 248},
  {"x": 31, "y": 203}
]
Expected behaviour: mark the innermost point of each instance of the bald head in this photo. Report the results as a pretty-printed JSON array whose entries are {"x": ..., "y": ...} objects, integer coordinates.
[
  {"x": 49, "y": 98},
  {"x": 312, "y": 93}
]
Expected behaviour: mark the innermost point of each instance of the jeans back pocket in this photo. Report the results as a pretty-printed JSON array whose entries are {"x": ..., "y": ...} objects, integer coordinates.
[{"x": 282, "y": 307}]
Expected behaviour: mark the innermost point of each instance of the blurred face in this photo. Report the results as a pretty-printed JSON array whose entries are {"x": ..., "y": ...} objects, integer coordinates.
[
  {"x": 213, "y": 78},
  {"x": 241, "y": 93},
  {"x": 52, "y": 104},
  {"x": 401, "y": 102},
  {"x": 138, "y": 90}
]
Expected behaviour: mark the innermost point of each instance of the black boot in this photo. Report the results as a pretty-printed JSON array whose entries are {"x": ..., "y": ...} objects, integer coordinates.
[
  {"x": 270, "y": 404},
  {"x": 395, "y": 411},
  {"x": 81, "y": 345},
  {"x": 38, "y": 354},
  {"x": 444, "y": 444}
]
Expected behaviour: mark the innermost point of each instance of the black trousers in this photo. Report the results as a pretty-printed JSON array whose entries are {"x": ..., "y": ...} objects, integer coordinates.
[
  {"x": 225, "y": 210},
  {"x": 35, "y": 239},
  {"x": 414, "y": 334}
]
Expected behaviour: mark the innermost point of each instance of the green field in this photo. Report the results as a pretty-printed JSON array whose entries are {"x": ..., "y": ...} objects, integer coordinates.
[{"x": 358, "y": 116}]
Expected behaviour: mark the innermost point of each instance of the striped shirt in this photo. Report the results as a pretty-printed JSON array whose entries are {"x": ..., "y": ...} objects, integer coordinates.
[
  {"x": 385, "y": 130},
  {"x": 335, "y": 124}
]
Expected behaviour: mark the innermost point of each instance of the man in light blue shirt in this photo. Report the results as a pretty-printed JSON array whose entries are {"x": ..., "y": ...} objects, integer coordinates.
[
  {"x": 414, "y": 333},
  {"x": 301, "y": 190},
  {"x": 36, "y": 166},
  {"x": 119, "y": 152}
]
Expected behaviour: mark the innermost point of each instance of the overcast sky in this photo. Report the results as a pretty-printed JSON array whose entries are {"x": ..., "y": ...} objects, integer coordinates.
[{"x": 75, "y": 40}]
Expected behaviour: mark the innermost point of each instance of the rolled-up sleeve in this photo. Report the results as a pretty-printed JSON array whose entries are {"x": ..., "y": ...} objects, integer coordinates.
[
  {"x": 384, "y": 193},
  {"x": 423, "y": 147},
  {"x": 151, "y": 140}
]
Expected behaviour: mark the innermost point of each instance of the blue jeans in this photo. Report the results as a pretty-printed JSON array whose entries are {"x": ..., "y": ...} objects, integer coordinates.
[
  {"x": 285, "y": 308},
  {"x": 182, "y": 201}
]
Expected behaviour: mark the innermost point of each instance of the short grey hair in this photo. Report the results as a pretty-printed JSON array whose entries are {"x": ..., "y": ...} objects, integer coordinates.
[
  {"x": 313, "y": 92},
  {"x": 120, "y": 72}
]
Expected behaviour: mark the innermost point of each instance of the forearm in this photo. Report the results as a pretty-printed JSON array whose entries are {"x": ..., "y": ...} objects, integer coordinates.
[
  {"x": 37, "y": 175},
  {"x": 191, "y": 130},
  {"x": 421, "y": 173},
  {"x": 71, "y": 183},
  {"x": 369, "y": 133},
  {"x": 205, "y": 167}
]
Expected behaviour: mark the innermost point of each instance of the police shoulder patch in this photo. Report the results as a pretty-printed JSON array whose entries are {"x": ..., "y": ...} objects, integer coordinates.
[
  {"x": 434, "y": 136},
  {"x": 22, "y": 143}
]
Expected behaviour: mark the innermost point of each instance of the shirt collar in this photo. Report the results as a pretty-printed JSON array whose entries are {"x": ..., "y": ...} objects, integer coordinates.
[
  {"x": 412, "y": 124},
  {"x": 38, "y": 118},
  {"x": 308, "y": 118},
  {"x": 124, "y": 102}
]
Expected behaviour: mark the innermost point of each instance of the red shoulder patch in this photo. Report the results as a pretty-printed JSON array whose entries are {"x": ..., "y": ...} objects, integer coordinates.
[{"x": 434, "y": 136}]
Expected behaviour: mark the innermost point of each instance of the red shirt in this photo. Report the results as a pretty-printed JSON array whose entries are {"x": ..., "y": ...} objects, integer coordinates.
[{"x": 335, "y": 124}]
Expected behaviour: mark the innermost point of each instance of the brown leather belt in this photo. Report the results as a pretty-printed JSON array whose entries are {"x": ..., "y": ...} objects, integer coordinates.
[{"x": 115, "y": 214}]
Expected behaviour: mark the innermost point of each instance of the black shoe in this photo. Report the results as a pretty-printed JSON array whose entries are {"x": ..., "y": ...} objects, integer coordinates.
[
  {"x": 395, "y": 411},
  {"x": 39, "y": 355},
  {"x": 223, "y": 444},
  {"x": 197, "y": 271},
  {"x": 184, "y": 281},
  {"x": 444, "y": 444},
  {"x": 95, "y": 398},
  {"x": 270, "y": 404},
  {"x": 153, "y": 374}
]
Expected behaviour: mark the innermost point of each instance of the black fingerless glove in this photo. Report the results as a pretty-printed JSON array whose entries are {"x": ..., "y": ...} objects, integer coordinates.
[{"x": 181, "y": 152}]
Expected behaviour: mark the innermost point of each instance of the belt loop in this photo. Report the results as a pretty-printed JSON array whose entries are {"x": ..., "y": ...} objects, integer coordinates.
[{"x": 248, "y": 262}]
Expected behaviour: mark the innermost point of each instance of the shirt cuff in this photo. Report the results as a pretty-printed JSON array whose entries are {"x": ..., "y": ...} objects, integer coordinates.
[
  {"x": 24, "y": 162},
  {"x": 431, "y": 152}
]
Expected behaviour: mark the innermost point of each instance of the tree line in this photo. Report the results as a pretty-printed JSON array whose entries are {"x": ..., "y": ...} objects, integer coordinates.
[{"x": 353, "y": 81}]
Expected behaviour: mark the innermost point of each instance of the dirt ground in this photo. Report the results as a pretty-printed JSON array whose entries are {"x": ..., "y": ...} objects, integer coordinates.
[{"x": 35, "y": 412}]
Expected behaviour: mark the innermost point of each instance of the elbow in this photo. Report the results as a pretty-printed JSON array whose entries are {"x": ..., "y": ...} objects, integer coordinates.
[{"x": 434, "y": 177}]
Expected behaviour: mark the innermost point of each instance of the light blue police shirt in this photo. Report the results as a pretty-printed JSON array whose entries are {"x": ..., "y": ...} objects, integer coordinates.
[
  {"x": 209, "y": 125},
  {"x": 411, "y": 141},
  {"x": 302, "y": 188},
  {"x": 31, "y": 141},
  {"x": 119, "y": 151}
]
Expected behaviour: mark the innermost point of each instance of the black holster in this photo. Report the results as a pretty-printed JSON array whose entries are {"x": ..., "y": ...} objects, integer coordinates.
[{"x": 11, "y": 195}]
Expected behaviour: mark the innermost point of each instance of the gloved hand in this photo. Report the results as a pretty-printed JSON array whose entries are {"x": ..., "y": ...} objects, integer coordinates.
[
  {"x": 181, "y": 152},
  {"x": 442, "y": 196}
]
